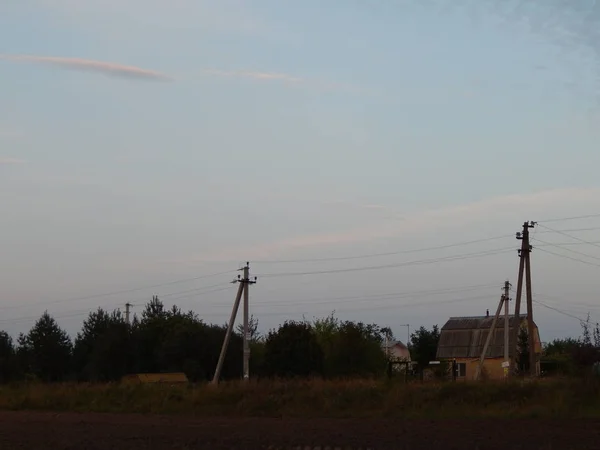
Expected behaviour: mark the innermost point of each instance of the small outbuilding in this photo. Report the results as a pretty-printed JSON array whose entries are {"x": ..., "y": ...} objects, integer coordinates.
[
  {"x": 166, "y": 378},
  {"x": 462, "y": 340},
  {"x": 396, "y": 350}
]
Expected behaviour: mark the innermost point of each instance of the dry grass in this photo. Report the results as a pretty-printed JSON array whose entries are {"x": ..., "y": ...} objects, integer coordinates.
[{"x": 317, "y": 398}]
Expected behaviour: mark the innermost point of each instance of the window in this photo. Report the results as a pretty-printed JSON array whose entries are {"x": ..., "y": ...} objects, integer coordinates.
[{"x": 461, "y": 369}]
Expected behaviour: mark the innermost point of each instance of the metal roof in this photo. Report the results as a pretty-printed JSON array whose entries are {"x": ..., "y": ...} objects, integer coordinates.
[
  {"x": 391, "y": 344},
  {"x": 464, "y": 337}
]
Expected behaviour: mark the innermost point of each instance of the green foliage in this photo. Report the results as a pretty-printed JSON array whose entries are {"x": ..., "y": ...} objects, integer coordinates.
[
  {"x": 252, "y": 329},
  {"x": 102, "y": 349},
  {"x": 558, "y": 399},
  {"x": 423, "y": 345},
  {"x": 8, "y": 360},
  {"x": 173, "y": 341},
  {"x": 523, "y": 350},
  {"x": 293, "y": 351},
  {"x": 45, "y": 351},
  {"x": 356, "y": 351}
]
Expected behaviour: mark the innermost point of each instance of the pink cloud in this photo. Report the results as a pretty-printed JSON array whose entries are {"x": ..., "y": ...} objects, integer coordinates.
[
  {"x": 106, "y": 68},
  {"x": 525, "y": 206},
  {"x": 10, "y": 161},
  {"x": 265, "y": 76}
]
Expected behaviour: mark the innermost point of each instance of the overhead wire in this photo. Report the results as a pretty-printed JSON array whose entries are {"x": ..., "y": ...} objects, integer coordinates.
[
  {"x": 394, "y": 265},
  {"x": 559, "y": 246},
  {"x": 376, "y": 255},
  {"x": 564, "y": 219},
  {"x": 385, "y": 296},
  {"x": 567, "y": 257},
  {"x": 569, "y": 235},
  {"x": 124, "y": 291}
]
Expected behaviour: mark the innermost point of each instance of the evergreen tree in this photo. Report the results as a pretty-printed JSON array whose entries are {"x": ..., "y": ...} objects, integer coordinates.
[{"x": 46, "y": 350}]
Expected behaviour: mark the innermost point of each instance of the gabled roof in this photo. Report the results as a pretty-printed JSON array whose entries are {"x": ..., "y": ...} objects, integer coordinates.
[
  {"x": 478, "y": 322},
  {"x": 391, "y": 344},
  {"x": 464, "y": 337}
]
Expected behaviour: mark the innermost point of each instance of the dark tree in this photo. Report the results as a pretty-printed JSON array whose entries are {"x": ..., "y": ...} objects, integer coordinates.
[
  {"x": 586, "y": 336},
  {"x": 102, "y": 349},
  {"x": 523, "y": 350},
  {"x": 356, "y": 351},
  {"x": 560, "y": 347},
  {"x": 8, "y": 361},
  {"x": 252, "y": 329},
  {"x": 423, "y": 345},
  {"x": 46, "y": 350},
  {"x": 293, "y": 351}
]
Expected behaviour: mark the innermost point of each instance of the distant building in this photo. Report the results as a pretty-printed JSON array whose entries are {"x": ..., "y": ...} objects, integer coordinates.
[
  {"x": 463, "y": 338},
  {"x": 165, "y": 378},
  {"x": 396, "y": 350}
]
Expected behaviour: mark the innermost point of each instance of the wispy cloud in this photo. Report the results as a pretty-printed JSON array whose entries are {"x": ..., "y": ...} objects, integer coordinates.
[
  {"x": 9, "y": 161},
  {"x": 106, "y": 68},
  {"x": 261, "y": 76},
  {"x": 9, "y": 133},
  {"x": 285, "y": 78},
  {"x": 522, "y": 206}
]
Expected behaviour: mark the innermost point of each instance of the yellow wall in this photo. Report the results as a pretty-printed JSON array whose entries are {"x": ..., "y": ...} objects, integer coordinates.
[{"x": 492, "y": 367}]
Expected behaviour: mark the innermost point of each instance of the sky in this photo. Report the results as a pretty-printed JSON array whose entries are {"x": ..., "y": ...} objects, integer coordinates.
[{"x": 369, "y": 158}]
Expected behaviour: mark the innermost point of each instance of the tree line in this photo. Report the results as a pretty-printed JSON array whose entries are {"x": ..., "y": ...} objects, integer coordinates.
[{"x": 171, "y": 340}]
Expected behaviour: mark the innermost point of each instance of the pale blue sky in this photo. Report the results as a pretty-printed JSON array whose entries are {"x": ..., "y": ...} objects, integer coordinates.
[{"x": 293, "y": 130}]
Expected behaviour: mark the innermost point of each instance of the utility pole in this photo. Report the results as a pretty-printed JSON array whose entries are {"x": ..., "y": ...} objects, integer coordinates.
[
  {"x": 243, "y": 289},
  {"x": 246, "y": 282},
  {"x": 524, "y": 270},
  {"x": 507, "y": 286},
  {"x": 407, "y": 325},
  {"x": 127, "y": 306},
  {"x": 489, "y": 338}
]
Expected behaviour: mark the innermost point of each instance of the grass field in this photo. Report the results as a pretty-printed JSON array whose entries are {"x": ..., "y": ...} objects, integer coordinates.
[{"x": 315, "y": 398}]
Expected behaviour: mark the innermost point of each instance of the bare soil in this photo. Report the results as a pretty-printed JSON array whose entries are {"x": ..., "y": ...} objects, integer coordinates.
[{"x": 53, "y": 431}]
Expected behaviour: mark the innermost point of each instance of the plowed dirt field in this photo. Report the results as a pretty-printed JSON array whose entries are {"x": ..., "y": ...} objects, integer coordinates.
[{"x": 53, "y": 431}]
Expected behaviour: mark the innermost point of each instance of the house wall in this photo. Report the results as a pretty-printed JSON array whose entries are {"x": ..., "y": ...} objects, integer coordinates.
[
  {"x": 398, "y": 352},
  {"x": 492, "y": 366}
]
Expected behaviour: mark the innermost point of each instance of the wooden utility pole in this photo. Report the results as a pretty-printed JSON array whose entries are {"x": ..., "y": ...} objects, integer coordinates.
[
  {"x": 488, "y": 339},
  {"x": 243, "y": 289},
  {"x": 246, "y": 282},
  {"x": 506, "y": 329},
  {"x": 524, "y": 270},
  {"x": 127, "y": 306}
]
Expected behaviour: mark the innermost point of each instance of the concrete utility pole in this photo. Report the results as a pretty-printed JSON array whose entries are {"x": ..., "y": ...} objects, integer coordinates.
[
  {"x": 489, "y": 338},
  {"x": 246, "y": 340},
  {"x": 507, "y": 286},
  {"x": 524, "y": 269},
  {"x": 244, "y": 283},
  {"x": 127, "y": 306},
  {"x": 407, "y": 325}
]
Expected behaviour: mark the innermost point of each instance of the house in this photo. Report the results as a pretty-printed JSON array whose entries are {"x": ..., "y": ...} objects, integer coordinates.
[
  {"x": 396, "y": 350},
  {"x": 462, "y": 340},
  {"x": 167, "y": 378}
]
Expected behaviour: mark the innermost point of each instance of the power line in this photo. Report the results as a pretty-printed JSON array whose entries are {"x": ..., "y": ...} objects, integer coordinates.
[
  {"x": 388, "y": 266},
  {"x": 125, "y": 291},
  {"x": 375, "y": 255},
  {"x": 568, "y": 249},
  {"x": 560, "y": 311},
  {"x": 564, "y": 219},
  {"x": 385, "y": 296},
  {"x": 568, "y": 257},
  {"x": 202, "y": 293},
  {"x": 202, "y": 288},
  {"x": 374, "y": 307},
  {"x": 572, "y": 230},
  {"x": 570, "y": 236}
]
